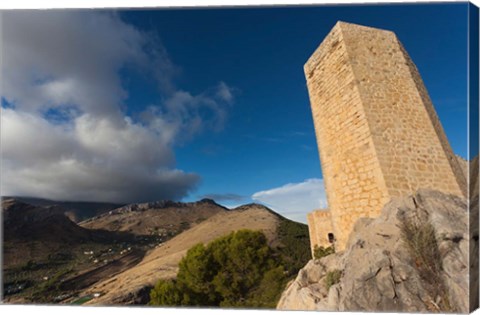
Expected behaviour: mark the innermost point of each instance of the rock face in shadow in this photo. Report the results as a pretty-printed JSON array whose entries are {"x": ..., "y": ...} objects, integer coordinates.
[
  {"x": 379, "y": 270},
  {"x": 474, "y": 263}
]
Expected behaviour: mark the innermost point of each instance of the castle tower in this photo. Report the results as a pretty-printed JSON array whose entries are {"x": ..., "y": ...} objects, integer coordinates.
[{"x": 377, "y": 131}]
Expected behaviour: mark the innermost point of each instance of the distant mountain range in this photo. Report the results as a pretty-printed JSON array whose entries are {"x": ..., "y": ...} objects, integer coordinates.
[
  {"x": 32, "y": 233},
  {"x": 76, "y": 210},
  {"x": 155, "y": 218}
]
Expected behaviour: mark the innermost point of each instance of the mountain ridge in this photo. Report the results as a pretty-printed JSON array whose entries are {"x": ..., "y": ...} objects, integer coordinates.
[
  {"x": 76, "y": 210},
  {"x": 151, "y": 249}
]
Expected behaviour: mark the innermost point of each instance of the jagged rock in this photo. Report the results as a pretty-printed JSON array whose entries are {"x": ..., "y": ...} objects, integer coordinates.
[
  {"x": 308, "y": 291},
  {"x": 379, "y": 272}
]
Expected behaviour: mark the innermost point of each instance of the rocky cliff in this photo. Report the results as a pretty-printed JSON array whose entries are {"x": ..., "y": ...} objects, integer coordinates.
[{"x": 413, "y": 258}]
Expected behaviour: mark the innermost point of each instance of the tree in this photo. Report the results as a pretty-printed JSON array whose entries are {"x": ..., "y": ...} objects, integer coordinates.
[{"x": 239, "y": 269}]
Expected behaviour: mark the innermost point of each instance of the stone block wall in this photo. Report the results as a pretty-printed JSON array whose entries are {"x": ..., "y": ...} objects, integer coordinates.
[
  {"x": 319, "y": 227},
  {"x": 377, "y": 131}
]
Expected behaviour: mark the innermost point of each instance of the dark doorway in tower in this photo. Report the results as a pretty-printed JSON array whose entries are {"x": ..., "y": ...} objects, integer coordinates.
[{"x": 331, "y": 238}]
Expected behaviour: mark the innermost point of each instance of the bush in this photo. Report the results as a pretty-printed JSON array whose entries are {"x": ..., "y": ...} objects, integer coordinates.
[
  {"x": 236, "y": 270},
  {"x": 320, "y": 251},
  {"x": 333, "y": 277},
  {"x": 165, "y": 292},
  {"x": 267, "y": 294},
  {"x": 295, "y": 245},
  {"x": 421, "y": 243}
]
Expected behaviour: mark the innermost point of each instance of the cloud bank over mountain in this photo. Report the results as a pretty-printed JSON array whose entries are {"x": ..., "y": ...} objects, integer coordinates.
[{"x": 65, "y": 130}]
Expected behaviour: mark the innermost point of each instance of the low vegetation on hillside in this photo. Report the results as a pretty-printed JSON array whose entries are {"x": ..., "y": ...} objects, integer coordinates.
[
  {"x": 320, "y": 251},
  {"x": 421, "y": 243},
  {"x": 332, "y": 277},
  {"x": 237, "y": 270},
  {"x": 295, "y": 245}
]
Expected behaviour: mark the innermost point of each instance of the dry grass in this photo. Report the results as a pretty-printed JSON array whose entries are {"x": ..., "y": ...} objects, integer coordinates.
[
  {"x": 332, "y": 277},
  {"x": 422, "y": 245}
]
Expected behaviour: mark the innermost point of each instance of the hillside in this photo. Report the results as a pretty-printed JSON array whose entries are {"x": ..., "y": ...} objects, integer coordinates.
[
  {"x": 163, "y": 218},
  {"x": 132, "y": 286},
  {"x": 75, "y": 211},
  {"x": 120, "y": 254},
  {"x": 34, "y": 232},
  {"x": 42, "y": 247}
]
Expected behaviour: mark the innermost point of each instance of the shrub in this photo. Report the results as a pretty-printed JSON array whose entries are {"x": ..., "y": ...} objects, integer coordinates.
[
  {"x": 320, "y": 251},
  {"x": 268, "y": 292},
  {"x": 165, "y": 292},
  {"x": 236, "y": 270},
  {"x": 420, "y": 240},
  {"x": 295, "y": 245},
  {"x": 333, "y": 277}
]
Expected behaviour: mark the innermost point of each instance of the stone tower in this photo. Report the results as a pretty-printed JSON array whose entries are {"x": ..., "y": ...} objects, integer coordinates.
[{"x": 377, "y": 131}]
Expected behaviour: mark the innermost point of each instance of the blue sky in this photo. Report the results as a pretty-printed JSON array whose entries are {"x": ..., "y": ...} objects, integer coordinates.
[{"x": 227, "y": 85}]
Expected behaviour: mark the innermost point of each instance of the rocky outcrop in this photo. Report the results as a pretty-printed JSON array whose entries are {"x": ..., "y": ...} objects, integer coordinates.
[{"x": 380, "y": 270}]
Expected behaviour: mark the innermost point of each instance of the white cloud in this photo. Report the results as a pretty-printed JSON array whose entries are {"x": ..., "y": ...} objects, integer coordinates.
[
  {"x": 295, "y": 200},
  {"x": 225, "y": 92},
  {"x": 66, "y": 135}
]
